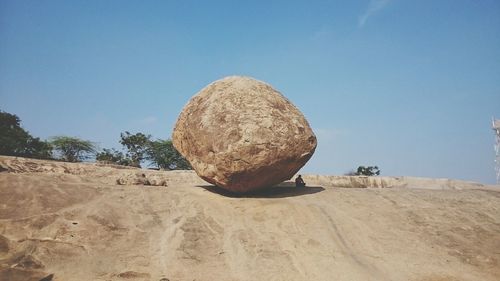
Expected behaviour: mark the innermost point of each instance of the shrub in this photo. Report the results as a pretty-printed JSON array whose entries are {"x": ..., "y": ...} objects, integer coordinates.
[
  {"x": 163, "y": 154},
  {"x": 113, "y": 156},
  {"x": 368, "y": 171}
]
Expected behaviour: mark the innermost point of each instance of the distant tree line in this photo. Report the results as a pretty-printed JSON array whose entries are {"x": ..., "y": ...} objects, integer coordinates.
[
  {"x": 141, "y": 147},
  {"x": 15, "y": 141}
]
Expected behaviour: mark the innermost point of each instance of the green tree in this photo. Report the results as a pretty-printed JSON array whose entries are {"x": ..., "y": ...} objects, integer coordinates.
[
  {"x": 37, "y": 148},
  {"x": 113, "y": 156},
  {"x": 163, "y": 154},
  {"x": 73, "y": 149},
  {"x": 136, "y": 145},
  {"x": 368, "y": 171},
  {"x": 15, "y": 141}
]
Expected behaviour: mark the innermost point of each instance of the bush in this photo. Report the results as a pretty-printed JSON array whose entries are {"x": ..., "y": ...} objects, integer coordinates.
[
  {"x": 368, "y": 171},
  {"x": 163, "y": 154},
  {"x": 113, "y": 156}
]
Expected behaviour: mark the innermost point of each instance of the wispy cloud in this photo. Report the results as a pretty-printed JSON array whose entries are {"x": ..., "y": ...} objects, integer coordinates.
[{"x": 374, "y": 7}]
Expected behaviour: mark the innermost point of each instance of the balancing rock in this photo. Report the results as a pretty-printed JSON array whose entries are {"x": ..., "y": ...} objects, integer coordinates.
[{"x": 241, "y": 134}]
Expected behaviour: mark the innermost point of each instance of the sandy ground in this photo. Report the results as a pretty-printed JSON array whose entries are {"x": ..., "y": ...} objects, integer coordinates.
[{"x": 62, "y": 221}]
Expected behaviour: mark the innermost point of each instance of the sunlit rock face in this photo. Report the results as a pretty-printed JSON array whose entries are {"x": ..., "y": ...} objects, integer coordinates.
[{"x": 241, "y": 134}]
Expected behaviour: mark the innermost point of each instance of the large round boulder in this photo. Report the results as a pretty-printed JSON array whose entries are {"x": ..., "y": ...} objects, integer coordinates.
[{"x": 241, "y": 134}]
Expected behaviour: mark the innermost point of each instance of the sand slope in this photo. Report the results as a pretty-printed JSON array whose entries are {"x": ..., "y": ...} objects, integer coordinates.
[{"x": 75, "y": 222}]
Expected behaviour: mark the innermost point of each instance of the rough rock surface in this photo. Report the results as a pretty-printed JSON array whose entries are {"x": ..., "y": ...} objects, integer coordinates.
[
  {"x": 71, "y": 222},
  {"x": 141, "y": 179},
  {"x": 241, "y": 134}
]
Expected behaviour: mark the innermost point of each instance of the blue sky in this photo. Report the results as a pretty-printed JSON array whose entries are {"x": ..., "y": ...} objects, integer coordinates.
[{"x": 410, "y": 86}]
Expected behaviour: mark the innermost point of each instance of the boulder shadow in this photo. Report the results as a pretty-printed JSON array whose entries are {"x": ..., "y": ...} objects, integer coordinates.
[{"x": 278, "y": 191}]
